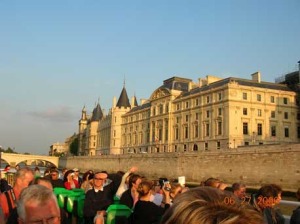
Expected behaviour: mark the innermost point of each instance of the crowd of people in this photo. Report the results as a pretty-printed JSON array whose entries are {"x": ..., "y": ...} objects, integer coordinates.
[{"x": 31, "y": 199}]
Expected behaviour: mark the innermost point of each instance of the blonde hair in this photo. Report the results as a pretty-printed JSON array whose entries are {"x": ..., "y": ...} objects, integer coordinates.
[{"x": 205, "y": 205}]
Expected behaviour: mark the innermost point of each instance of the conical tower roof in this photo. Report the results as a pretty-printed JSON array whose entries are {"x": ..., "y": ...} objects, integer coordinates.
[
  {"x": 97, "y": 113},
  {"x": 135, "y": 103},
  {"x": 123, "y": 99}
]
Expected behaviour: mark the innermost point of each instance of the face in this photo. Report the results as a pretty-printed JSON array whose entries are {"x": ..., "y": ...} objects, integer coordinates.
[
  {"x": 39, "y": 214},
  {"x": 99, "y": 179},
  {"x": 137, "y": 182},
  {"x": 240, "y": 193},
  {"x": 278, "y": 199},
  {"x": 54, "y": 175}
]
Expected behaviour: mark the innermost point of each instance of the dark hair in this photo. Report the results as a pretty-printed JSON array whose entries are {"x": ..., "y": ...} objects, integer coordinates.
[
  {"x": 133, "y": 178},
  {"x": 269, "y": 190},
  {"x": 237, "y": 186}
]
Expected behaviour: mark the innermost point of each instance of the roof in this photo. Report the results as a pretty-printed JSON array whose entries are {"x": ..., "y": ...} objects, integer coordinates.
[
  {"x": 97, "y": 113},
  {"x": 123, "y": 99}
]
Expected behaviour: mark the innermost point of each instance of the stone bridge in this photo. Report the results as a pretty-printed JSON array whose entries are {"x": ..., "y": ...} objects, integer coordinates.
[{"x": 14, "y": 159}]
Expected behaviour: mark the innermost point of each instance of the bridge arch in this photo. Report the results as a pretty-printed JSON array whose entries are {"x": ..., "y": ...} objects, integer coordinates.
[{"x": 14, "y": 159}]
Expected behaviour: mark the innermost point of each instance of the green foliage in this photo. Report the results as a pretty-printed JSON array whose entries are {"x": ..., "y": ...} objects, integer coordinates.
[
  {"x": 8, "y": 150},
  {"x": 74, "y": 147}
]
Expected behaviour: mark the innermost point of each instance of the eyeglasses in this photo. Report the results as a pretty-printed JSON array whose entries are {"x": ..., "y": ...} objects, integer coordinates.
[{"x": 51, "y": 220}]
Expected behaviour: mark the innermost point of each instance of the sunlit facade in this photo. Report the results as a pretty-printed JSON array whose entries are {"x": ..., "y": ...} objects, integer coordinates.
[{"x": 181, "y": 115}]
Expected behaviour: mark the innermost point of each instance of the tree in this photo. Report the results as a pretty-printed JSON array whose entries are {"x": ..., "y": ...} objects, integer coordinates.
[
  {"x": 10, "y": 150},
  {"x": 74, "y": 147}
]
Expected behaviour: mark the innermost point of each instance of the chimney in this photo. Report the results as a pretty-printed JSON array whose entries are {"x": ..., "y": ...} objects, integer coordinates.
[
  {"x": 256, "y": 77},
  {"x": 114, "y": 102}
]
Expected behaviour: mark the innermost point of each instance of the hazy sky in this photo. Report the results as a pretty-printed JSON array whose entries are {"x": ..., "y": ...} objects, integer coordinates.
[{"x": 57, "y": 56}]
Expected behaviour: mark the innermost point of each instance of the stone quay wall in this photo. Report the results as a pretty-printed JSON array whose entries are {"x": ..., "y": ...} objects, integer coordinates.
[{"x": 253, "y": 166}]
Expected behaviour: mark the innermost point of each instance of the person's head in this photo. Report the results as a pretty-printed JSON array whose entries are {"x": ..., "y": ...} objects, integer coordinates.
[
  {"x": 144, "y": 188},
  {"x": 76, "y": 172},
  {"x": 43, "y": 181},
  {"x": 87, "y": 175},
  {"x": 17, "y": 167},
  {"x": 205, "y": 205},
  {"x": 36, "y": 168},
  {"x": 99, "y": 179},
  {"x": 54, "y": 174},
  {"x": 239, "y": 190},
  {"x": 23, "y": 177},
  {"x": 38, "y": 204},
  {"x": 270, "y": 192},
  {"x": 7, "y": 167},
  {"x": 134, "y": 181},
  {"x": 156, "y": 187},
  {"x": 68, "y": 175},
  {"x": 175, "y": 190}
]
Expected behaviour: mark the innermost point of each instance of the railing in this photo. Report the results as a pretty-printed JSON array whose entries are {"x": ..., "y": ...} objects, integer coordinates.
[{"x": 288, "y": 203}]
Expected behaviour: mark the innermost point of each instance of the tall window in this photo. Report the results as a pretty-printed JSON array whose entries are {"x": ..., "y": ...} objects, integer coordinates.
[
  {"x": 286, "y": 132},
  {"x": 161, "y": 109},
  {"x": 220, "y": 96},
  {"x": 196, "y": 131},
  {"x": 186, "y": 130},
  {"x": 245, "y": 128},
  {"x": 186, "y": 104},
  {"x": 197, "y": 116},
  {"x": 207, "y": 130},
  {"x": 259, "y": 112},
  {"x": 244, "y": 96},
  {"x": 285, "y": 100},
  {"x": 273, "y": 131},
  {"x": 207, "y": 99},
  {"x": 272, "y": 99},
  {"x": 186, "y": 118},
  {"x": 197, "y": 102},
  {"x": 286, "y": 115},
  {"x": 245, "y": 111},
  {"x": 272, "y": 114},
  {"x": 219, "y": 111},
  {"x": 176, "y": 133},
  {"x": 207, "y": 114},
  {"x": 218, "y": 145},
  {"x": 220, "y": 128},
  {"x": 259, "y": 129},
  {"x": 258, "y": 97}
]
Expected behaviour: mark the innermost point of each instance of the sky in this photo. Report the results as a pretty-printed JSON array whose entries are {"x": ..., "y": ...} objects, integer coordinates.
[{"x": 58, "y": 56}]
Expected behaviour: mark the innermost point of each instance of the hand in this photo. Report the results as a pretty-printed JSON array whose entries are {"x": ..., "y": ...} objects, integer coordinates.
[{"x": 133, "y": 169}]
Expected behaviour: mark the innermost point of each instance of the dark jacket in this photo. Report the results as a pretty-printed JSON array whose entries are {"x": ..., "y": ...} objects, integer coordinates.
[
  {"x": 295, "y": 218},
  {"x": 126, "y": 198},
  {"x": 97, "y": 201}
]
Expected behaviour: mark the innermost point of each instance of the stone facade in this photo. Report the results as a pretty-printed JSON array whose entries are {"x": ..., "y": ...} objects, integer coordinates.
[
  {"x": 253, "y": 165},
  {"x": 183, "y": 116}
]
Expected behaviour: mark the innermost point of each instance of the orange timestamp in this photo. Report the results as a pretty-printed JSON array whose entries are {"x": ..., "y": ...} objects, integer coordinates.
[
  {"x": 266, "y": 201},
  {"x": 233, "y": 201}
]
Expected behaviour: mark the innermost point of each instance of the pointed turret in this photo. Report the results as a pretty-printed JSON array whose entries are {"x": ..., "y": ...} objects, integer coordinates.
[
  {"x": 134, "y": 102},
  {"x": 123, "y": 99},
  {"x": 97, "y": 113}
]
